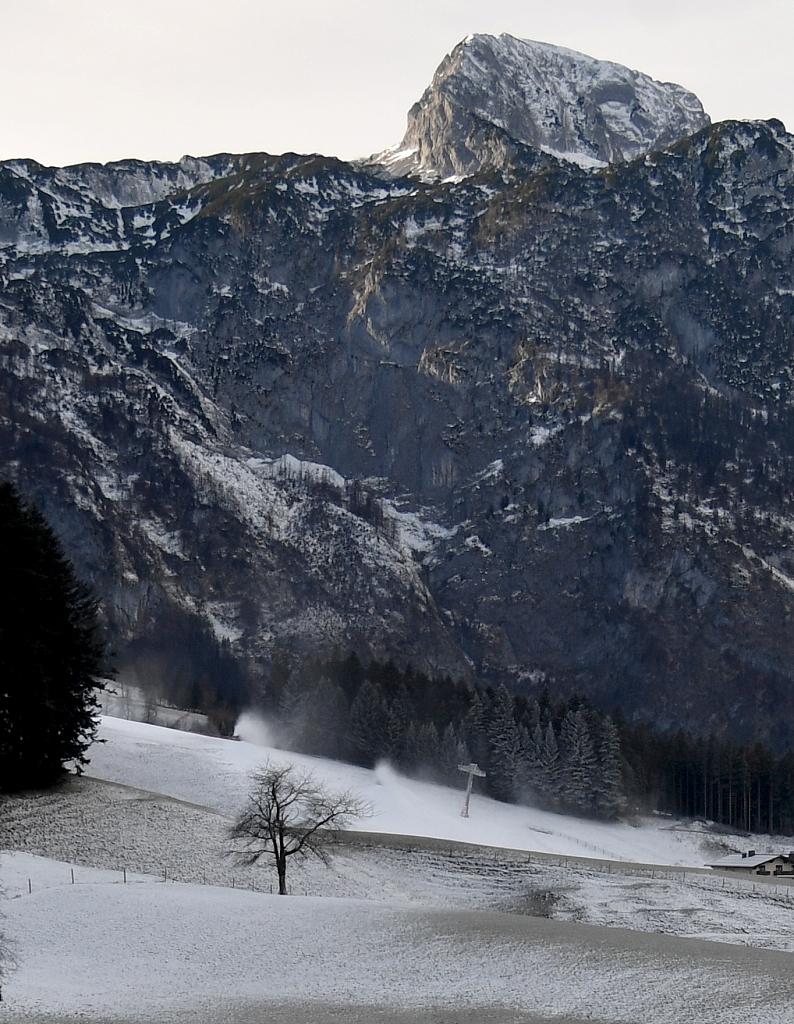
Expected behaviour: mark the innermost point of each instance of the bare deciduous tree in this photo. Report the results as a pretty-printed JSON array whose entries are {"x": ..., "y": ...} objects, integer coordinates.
[{"x": 290, "y": 813}]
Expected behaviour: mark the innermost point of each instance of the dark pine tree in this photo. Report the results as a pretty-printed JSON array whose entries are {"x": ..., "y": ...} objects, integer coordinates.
[
  {"x": 51, "y": 655},
  {"x": 505, "y": 745},
  {"x": 369, "y": 724},
  {"x": 578, "y": 762}
]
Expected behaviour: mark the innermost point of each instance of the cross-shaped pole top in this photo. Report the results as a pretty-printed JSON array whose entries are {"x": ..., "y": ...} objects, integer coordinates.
[{"x": 471, "y": 770}]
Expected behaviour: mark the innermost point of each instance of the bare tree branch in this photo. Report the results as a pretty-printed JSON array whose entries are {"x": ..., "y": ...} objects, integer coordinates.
[{"x": 288, "y": 813}]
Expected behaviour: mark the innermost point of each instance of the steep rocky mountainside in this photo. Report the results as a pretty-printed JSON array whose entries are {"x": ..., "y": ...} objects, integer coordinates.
[
  {"x": 495, "y": 94},
  {"x": 533, "y": 425}
]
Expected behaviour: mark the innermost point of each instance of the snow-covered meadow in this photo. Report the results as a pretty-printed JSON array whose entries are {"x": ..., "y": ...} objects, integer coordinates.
[
  {"x": 100, "y": 950},
  {"x": 398, "y": 929},
  {"x": 90, "y": 824},
  {"x": 215, "y": 773}
]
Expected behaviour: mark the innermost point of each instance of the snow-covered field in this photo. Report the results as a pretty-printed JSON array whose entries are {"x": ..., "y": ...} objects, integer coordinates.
[
  {"x": 215, "y": 773},
  {"x": 100, "y": 950},
  {"x": 395, "y": 931},
  {"x": 101, "y": 825}
]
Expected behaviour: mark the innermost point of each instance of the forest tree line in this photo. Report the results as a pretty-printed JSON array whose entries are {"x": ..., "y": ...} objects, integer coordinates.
[
  {"x": 559, "y": 754},
  {"x": 746, "y": 787},
  {"x": 562, "y": 754}
]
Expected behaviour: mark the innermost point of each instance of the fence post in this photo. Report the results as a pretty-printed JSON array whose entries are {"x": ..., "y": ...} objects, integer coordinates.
[
  {"x": 30, "y": 887},
  {"x": 72, "y": 876},
  {"x": 124, "y": 873}
]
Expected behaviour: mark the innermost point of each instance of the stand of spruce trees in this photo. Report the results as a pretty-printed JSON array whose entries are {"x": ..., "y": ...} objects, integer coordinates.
[
  {"x": 559, "y": 754},
  {"x": 51, "y": 655},
  {"x": 745, "y": 786},
  {"x": 563, "y": 755}
]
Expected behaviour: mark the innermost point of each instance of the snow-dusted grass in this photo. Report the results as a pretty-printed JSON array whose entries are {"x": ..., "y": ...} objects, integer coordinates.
[
  {"x": 92, "y": 824},
  {"x": 99, "y": 825},
  {"x": 395, "y": 930},
  {"x": 20, "y": 870},
  {"x": 161, "y": 951},
  {"x": 695, "y": 905},
  {"x": 215, "y": 773}
]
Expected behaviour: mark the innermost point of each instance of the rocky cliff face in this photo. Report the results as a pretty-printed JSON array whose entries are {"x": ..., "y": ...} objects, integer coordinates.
[
  {"x": 532, "y": 426},
  {"x": 493, "y": 94}
]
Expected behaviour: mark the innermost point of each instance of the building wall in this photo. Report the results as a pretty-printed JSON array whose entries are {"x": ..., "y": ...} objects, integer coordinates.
[{"x": 764, "y": 869}]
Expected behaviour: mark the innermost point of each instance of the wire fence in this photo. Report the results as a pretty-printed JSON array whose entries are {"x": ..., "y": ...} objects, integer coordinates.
[
  {"x": 781, "y": 891},
  {"x": 702, "y": 877},
  {"x": 481, "y": 856},
  {"x": 134, "y": 877}
]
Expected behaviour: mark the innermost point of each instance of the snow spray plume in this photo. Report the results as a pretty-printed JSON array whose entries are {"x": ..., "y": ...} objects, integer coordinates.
[
  {"x": 527, "y": 795},
  {"x": 254, "y": 728},
  {"x": 385, "y": 773}
]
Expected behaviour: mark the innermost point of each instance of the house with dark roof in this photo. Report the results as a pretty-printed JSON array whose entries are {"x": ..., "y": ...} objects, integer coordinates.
[{"x": 769, "y": 865}]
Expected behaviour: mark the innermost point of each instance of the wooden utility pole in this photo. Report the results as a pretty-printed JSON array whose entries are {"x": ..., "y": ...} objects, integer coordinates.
[{"x": 471, "y": 770}]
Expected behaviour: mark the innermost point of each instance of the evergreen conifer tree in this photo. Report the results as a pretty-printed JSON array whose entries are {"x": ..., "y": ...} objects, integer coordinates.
[
  {"x": 278, "y": 677},
  {"x": 452, "y": 752},
  {"x": 428, "y": 744},
  {"x": 462, "y": 756},
  {"x": 474, "y": 729},
  {"x": 398, "y": 716},
  {"x": 578, "y": 762},
  {"x": 550, "y": 765},
  {"x": 369, "y": 723},
  {"x": 530, "y": 770},
  {"x": 51, "y": 656},
  {"x": 422, "y": 749},
  {"x": 448, "y": 752},
  {"x": 292, "y": 708},
  {"x": 504, "y": 744},
  {"x": 526, "y": 767},
  {"x": 325, "y": 720},
  {"x": 610, "y": 794},
  {"x": 474, "y": 732},
  {"x": 407, "y": 756},
  {"x": 533, "y": 716}
]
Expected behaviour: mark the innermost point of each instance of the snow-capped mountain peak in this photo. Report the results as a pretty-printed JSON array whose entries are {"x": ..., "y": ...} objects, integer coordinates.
[{"x": 492, "y": 92}]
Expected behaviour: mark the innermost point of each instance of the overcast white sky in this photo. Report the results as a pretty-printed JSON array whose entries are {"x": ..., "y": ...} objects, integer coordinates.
[{"x": 105, "y": 79}]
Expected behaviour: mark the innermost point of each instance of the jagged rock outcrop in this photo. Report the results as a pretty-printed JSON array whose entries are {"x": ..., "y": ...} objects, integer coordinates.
[
  {"x": 535, "y": 427},
  {"x": 494, "y": 94}
]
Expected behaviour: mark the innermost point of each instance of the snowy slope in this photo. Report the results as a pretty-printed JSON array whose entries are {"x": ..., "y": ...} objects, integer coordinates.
[
  {"x": 148, "y": 950},
  {"x": 89, "y": 825},
  {"x": 214, "y": 773},
  {"x": 587, "y": 111}
]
